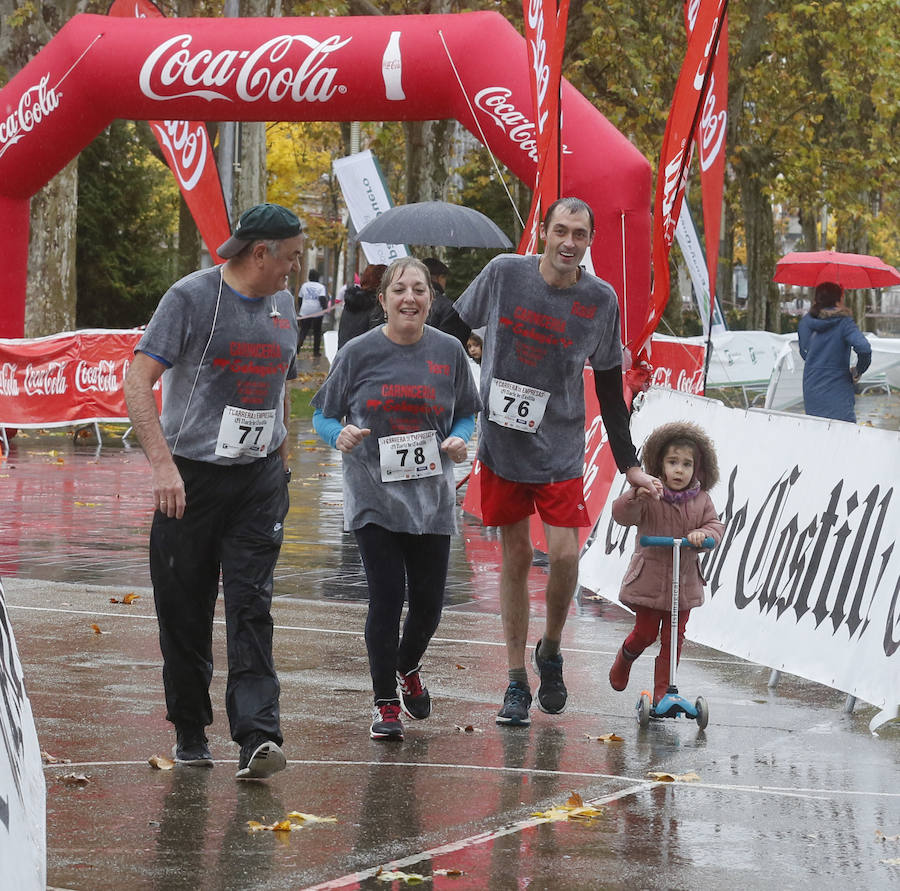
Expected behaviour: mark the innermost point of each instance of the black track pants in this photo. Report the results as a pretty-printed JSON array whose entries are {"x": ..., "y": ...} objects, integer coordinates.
[
  {"x": 398, "y": 564},
  {"x": 233, "y": 523}
]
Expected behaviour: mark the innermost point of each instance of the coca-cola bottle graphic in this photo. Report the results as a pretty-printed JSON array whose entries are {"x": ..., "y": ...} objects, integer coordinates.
[{"x": 392, "y": 68}]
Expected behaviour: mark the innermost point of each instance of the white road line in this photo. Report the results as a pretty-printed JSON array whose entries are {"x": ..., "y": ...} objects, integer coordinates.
[
  {"x": 313, "y": 629},
  {"x": 801, "y": 792}
]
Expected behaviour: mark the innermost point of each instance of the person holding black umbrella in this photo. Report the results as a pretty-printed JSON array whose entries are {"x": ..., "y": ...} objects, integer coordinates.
[{"x": 826, "y": 335}]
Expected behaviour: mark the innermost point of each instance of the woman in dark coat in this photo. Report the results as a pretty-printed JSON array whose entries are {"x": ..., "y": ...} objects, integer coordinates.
[
  {"x": 361, "y": 308},
  {"x": 827, "y": 334}
]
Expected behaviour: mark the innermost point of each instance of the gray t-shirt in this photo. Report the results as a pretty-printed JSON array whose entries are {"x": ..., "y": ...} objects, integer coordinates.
[
  {"x": 246, "y": 359},
  {"x": 538, "y": 337},
  {"x": 398, "y": 389}
]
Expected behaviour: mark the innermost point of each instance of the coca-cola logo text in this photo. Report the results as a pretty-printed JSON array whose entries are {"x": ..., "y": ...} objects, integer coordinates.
[
  {"x": 99, "y": 378},
  {"x": 686, "y": 381},
  {"x": 674, "y": 179},
  {"x": 495, "y": 102},
  {"x": 45, "y": 380},
  {"x": 712, "y": 127},
  {"x": 173, "y": 71},
  {"x": 541, "y": 69},
  {"x": 34, "y": 105},
  {"x": 187, "y": 144},
  {"x": 9, "y": 385}
]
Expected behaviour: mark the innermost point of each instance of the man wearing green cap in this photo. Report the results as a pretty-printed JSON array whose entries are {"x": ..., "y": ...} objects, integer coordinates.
[{"x": 223, "y": 340}]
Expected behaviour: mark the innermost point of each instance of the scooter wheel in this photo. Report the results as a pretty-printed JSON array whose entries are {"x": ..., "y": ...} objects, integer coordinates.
[
  {"x": 702, "y": 712},
  {"x": 643, "y": 711}
]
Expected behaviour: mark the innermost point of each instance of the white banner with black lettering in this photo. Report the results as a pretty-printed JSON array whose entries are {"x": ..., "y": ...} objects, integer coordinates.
[
  {"x": 807, "y": 577},
  {"x": 366, "y": 196},
  {"x": 23, "y": 845}
]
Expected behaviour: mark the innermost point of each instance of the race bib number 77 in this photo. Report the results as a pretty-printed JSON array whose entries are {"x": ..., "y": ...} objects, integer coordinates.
[
  {"x": 517, "y": 406},
  {"x": 245, "y": 432}
]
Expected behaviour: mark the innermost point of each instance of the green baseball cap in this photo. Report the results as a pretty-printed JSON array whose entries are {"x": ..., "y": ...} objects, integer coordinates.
[{"x": 264, "y": 221}]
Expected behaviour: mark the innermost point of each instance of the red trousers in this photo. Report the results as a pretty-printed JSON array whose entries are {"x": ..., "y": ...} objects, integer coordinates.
[{"x": 652, "y": 623}]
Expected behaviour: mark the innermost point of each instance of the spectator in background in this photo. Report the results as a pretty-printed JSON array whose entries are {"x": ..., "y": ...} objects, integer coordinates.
[
  {"x": 313, "y": 303},
  {"x": 474, "y": 346},
  {"x": 826, "y": 335},
  {"x": 361, "y": 308},
  {"x": 443, "y": 316}
]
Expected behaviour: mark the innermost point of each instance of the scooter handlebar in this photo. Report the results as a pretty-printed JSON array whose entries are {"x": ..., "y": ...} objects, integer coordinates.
[{"x": 664, "y": 541}]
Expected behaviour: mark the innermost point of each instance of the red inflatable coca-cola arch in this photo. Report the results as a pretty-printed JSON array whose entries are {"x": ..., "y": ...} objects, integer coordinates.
[{"x": 471, "y": 67}]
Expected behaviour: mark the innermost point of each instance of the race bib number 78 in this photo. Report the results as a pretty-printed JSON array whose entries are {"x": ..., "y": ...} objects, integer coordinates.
[
  {"x": 517, "y": 406},
  {"x": 409, "y": 456}
]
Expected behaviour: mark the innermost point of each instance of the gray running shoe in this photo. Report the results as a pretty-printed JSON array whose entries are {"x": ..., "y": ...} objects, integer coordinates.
[
  {"x": 516, "y": 703},
  {"x": 260, "y": 758}
]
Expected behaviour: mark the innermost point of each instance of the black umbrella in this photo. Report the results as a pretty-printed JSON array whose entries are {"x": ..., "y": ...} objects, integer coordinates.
[{"x": 434, "y": 222}]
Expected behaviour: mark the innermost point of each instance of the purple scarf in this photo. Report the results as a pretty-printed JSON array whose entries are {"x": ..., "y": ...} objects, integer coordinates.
[{"x": 683, "y": 495}]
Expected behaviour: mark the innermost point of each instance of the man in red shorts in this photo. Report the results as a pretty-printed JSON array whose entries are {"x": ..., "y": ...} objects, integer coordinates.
[{"x": 543, "y": 317}]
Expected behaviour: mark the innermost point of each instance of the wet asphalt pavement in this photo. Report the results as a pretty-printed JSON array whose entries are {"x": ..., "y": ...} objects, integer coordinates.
[{"x": 787, "y": 791}]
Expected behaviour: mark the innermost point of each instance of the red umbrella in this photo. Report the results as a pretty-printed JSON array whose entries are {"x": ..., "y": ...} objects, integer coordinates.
[{"x": 849, "y": 270}]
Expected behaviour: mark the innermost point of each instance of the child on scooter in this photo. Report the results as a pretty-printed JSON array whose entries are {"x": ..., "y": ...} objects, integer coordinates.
[{"x": 684, "y": 459}]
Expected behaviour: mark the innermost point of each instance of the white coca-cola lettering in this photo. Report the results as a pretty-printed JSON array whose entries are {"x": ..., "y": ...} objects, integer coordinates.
[
  {"x": 187, "y": 143},
  {"x": 700, "y": 74},
  {"x": 45, "y": 380},
  {"x": 690, "y": 382},
  {"x": 494, "y": 101},
  {"x": 712, "y": 127},
  {"x": 171, "y": 71},
  {"x": 691, "y": 13},
  {"x": 99, "y": 378},
  {"x": 539, "y": 56},
  {"x": 9, "y": 385},
  {"x": 673, "y": 185},
  {"x": 34, "y": 105},
  {"x": 592, "y": 451}
]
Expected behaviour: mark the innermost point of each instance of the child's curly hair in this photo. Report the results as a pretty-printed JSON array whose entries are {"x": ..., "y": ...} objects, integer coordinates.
[{"x": 682, "y": 434}]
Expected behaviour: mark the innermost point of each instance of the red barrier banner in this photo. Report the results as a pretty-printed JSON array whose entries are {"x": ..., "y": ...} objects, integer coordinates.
[
  {"x": 68, "y": 378},
  {"x": 189, "y": 154},
  {"x": 710, "y": 139},
  {"x": 675, "y": 156},
  {"x": 678, "y": 366}
]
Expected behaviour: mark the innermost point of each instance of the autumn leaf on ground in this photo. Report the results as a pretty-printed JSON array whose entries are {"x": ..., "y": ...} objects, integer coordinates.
[
  {"x": 310, "y": 818},
  {"x": 128, "y": 599},
  {"x": 161, "y": 763},
  {"x": 460, "y": 667},
  {"x": 880, "y": 836},
  {"x": 294, "y": 820},
  {"x": 573, "y": 809},
  {"x": 452, "y": 873},
  {"x": 396, "y": 875},
  {"x": 893, "y": 861},
  {"x": 86, "y": 504},
  {"x": 97, "y": 630},
  {"x": 663, "y": 777},
  {"x": 47, "y": 758},
  {"x": 606, "y": 737},
  {"x": 75, "y": 779},
  {"x": 468, "y": 728}
]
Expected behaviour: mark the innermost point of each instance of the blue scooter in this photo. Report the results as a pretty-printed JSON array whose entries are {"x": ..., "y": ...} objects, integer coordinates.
[{"x": 672, "y": 704}]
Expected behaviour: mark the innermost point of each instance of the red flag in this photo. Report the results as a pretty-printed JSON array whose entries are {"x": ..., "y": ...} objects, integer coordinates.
[
  {"x": 545, "y": 37},
  {"x": 189, "y": 154},
  {"x": 710, "y": 140},
  {"x": 674, "y": 159}
]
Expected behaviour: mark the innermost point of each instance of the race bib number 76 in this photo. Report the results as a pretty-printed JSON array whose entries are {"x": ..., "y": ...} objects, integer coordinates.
[{"x": 517, "y": 406}]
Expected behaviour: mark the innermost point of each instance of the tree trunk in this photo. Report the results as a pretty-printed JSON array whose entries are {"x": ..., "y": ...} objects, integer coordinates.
[
  {"x": 853, "y": 238},
  {"x": 763, "y": 297}
]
